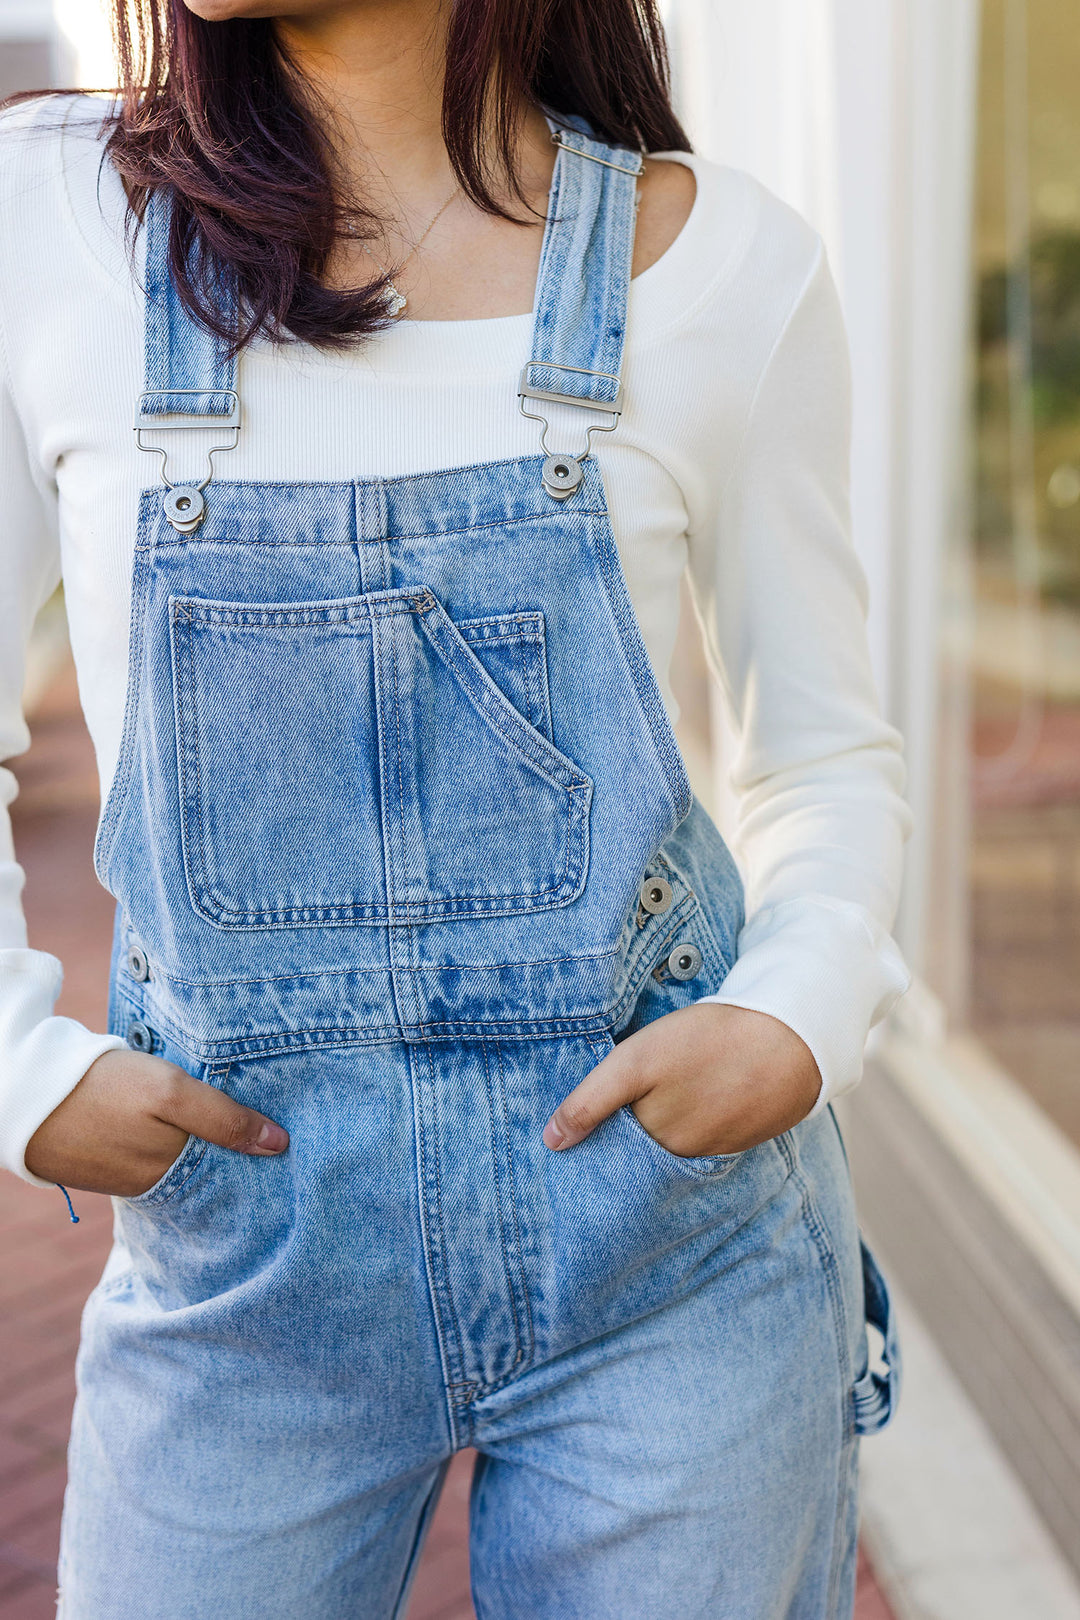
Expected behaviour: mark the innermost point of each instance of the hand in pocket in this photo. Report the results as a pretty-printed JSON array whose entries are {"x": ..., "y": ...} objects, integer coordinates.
[
  {"x": 128, "y": 1120},
  {"x": 703, "y": 1080}
]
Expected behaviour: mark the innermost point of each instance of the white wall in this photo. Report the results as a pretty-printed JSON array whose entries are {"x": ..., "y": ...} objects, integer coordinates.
[
  {"x": 24, "y": 19},
  {"x": 84, "y": 26},
  {"x": 76, "y": 33},
  {"x": 28, "y": 55}
]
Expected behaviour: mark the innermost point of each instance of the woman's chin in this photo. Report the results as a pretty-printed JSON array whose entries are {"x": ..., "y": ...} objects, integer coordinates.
[{"x": 224, "y": 10}]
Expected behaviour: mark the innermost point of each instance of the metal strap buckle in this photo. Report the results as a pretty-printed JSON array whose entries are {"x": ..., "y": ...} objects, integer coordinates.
[
  {"x": 563, "y": 474},
  {"x": 567, "y": 146},
  {"x": 526, "y": 391},
  {"x": 207, "y": 420},
  {"x": 174, "y": 422}
]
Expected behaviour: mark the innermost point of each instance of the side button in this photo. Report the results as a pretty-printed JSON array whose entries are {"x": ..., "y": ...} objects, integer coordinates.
[
  {"x": 655, "y": 895},
  {"x": 140, "y": 1037},
  {"x": 138, "y": 964},
  {"x": 684, "y": 962}
]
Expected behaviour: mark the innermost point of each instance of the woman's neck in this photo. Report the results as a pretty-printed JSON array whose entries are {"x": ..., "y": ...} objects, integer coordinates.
[{"x": 377, "y": 70}]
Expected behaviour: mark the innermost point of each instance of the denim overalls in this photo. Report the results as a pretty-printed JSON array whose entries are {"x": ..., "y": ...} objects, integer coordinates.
[{"x": 402, "y": 843}]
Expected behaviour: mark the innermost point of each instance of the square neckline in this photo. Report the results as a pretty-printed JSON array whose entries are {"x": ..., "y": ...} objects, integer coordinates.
[{"x": 473, "y": 321}]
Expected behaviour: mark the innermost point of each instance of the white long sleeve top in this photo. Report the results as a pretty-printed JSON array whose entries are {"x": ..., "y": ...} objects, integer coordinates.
[{"x": 730, "y": 461}]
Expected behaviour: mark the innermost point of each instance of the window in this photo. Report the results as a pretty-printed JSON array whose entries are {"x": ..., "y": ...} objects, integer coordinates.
[{"x": 1018, "y": 576}]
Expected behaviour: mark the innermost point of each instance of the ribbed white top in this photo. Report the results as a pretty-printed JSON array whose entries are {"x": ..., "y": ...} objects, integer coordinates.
[{"x": 731, "y": 460}]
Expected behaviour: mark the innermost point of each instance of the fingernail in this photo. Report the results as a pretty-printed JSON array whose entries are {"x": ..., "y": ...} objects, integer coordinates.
[
  {"x": 553, "y": 1137},
  {"x": 271, "y": 1139}
]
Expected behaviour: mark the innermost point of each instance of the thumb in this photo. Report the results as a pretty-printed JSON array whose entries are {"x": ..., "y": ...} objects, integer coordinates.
[
  {"x": 203, "y": 1111},
  {"x": 609, "y": 1086}
]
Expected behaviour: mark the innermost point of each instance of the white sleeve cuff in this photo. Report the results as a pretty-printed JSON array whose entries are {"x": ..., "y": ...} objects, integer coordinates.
[
  {"x": 827, "y": 969},
  {"x": 45, "y": 1057}
]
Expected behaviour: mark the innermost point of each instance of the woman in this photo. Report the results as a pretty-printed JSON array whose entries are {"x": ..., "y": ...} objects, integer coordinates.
[{"x": 436, "y": 1106}]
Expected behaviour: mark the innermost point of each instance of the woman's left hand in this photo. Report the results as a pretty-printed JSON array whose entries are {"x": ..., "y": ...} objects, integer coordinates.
[{"x": 706, "y": 1079}]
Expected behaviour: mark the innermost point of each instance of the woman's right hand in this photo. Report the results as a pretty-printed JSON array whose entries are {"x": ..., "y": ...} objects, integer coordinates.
[{"x": 128, "y": 1119}]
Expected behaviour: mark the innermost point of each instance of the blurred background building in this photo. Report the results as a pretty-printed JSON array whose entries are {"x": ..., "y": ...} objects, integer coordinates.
[{"x": 936, "y": 146}]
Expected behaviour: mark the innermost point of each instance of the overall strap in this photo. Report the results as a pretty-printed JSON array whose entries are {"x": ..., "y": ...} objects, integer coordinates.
[
  {"x": 189, "y": 377},
  {"x": 580, "y": 320}
]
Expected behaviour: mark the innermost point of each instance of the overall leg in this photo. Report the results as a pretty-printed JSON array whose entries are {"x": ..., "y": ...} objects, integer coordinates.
[
  {"x": 700, "y": 1459},
  {"x": 261, "y": 1426}
]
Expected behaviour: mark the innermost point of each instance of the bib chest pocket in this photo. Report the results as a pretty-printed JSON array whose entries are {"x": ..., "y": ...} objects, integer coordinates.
[{"x": 370, "y": 761}]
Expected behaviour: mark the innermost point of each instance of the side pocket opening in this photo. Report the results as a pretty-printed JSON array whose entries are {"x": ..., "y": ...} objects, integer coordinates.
[
  {"x": 190, "y": 1156},
  {"x": 876, "y": 1392}
]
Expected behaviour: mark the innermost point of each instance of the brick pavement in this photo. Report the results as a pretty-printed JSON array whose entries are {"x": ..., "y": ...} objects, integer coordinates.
[{"x": 48, "y": 1266}]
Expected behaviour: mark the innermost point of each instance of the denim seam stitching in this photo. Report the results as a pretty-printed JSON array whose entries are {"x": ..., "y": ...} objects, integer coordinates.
[
  {"x": 499, "y": 1204},
  {"x": 531, "y": 711},
  {"x": 282, "y": 1042},
  {"x": 209, "y": 882},
  {"x": 542, "y": 682},
  {"x": 637, "y": 971},
  {"x": 210, "y": 905},
  {"x": 121, "y": 783},
  {"x": 505, "y": 720},
  {"x": 404, "y": 875},
  {"x": 434, "y": 967},
  {"x": 827, "y": 1257},
  {"x": 648, "y": 693},
  {"x": 444, "y": 1286},
  {"x": 397, "y": 870},
  {"x": 456, "y": 1026},
  {"x": 530, "y": 1336},
  {"x": 423, "y": 1167},
  {"x": 167, "y": 545},
  {"x": 196, "y": 759},
  {"x": 565, "y": 887},
  {"x": 187, "y": 758}
]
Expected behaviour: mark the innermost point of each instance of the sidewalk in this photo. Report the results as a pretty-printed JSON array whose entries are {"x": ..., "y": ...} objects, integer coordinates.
[{"x": 49, "y": 1266}]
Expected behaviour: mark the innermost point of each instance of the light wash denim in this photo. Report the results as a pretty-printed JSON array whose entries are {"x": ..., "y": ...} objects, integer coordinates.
[{"x": 394, "y": 769}]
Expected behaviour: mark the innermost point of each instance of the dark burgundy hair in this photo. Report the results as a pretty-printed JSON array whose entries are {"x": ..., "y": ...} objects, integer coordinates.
[{"x": 215, "y": 112}]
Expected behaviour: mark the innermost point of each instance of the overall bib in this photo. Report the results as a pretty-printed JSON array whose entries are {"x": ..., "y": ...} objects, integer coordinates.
[{"x": 402, "y": 844}]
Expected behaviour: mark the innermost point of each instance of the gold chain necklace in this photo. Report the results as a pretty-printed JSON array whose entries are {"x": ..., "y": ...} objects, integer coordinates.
[{"x": 396, "y": 300}]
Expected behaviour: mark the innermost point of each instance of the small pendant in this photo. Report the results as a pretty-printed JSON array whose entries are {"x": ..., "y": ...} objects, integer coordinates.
[{"x": 396, "y": 301}]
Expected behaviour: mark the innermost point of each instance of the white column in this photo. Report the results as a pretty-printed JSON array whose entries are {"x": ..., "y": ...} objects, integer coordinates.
[
  {"x": 905, "y": 153},
  {"x": 754, "y": 82}
]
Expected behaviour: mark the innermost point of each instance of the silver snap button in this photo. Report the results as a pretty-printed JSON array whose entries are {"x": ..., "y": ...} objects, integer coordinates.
[
  {"x": 138, "y": 964},
  {"x": 561, "y": 476},
  {"x": 184, "y": 507},
  {"x": 140, "y": 1036},
  {"x": 684, "y": 962},
  {"x": 655, "y": 895}
]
